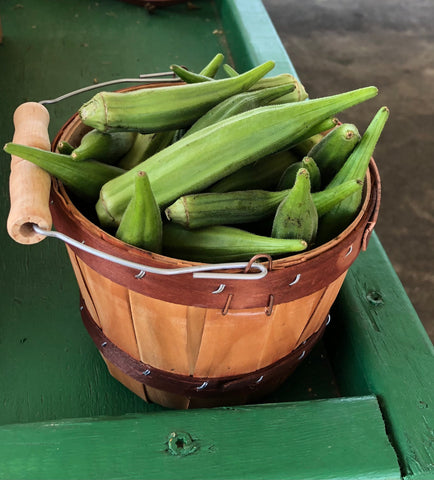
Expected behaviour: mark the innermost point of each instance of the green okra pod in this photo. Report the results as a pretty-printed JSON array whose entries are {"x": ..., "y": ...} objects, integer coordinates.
[
  {"x": 296, "y": 94},
  {"x": 314, "y": 174},
  {"x": 206, "y": 74},
  {"x": 246, "y": 206},
  {"x": 356, "y": 166},
  {"x": 141, "y": 224},
  {"x": 163, "y": 108},
  {"x": 333, "y": 149},
  {"x": 223, "y": 244},
  {"x": 263, "y": 174},
  {"x": 230, "y": 71},
  {"x": 104, "y": 147},
  {"x": 303, "y": 148},
  {"x": 84, "y": 179},
  {"x": 357, "y": 163},
  {"x": 239, "y": 103},
  {"x": 188, "y": 76},
  {"x": 296, "y": 216},
  {"x": 144, "y": 146},
  {"x": 194, "y": 163},
  {"x": 288, "y": 177},
  {"x": 210, "y": 70}
]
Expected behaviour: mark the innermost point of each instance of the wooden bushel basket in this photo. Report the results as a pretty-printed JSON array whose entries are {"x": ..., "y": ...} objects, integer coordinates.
[{"x": 184, "y": 342}]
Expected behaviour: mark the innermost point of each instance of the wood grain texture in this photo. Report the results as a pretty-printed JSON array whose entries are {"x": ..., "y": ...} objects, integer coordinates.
[
  {"x": 385, "y": 350},
  {"x": 320, "y": 440},
  {"x": 322, "y": 308},
  {"x": 29, "y": 185}
]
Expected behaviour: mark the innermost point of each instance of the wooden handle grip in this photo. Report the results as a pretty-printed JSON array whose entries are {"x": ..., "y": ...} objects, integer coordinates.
[{"x": 29, "y": 185}]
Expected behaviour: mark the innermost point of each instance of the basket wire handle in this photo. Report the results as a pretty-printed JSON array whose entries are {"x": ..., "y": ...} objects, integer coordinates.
[
  {"x": 25, "y": 226},
  {"x": 143, "y": 78},
  {"x": 198, "y": 271}
]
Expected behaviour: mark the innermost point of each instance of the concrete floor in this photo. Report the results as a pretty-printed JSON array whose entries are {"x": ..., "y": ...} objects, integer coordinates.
[{"x": 337, "y": 45}]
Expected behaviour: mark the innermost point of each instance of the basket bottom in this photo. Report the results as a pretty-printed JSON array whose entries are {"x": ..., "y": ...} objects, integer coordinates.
[{"x": 184, "y": 392}]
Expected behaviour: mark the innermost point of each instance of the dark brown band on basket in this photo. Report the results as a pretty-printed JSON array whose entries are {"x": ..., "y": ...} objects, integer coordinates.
[{"x": 263, "y": 380}]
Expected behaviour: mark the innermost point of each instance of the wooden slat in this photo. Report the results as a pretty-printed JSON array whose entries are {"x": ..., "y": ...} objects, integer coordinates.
[
  {"x": 383, "y": 348},
  {"x": 248, "y": 26},
  {"x": 322, "y": 309},
  {"x": 325, "y": 439},
  {"x": 112, "y": 305}
]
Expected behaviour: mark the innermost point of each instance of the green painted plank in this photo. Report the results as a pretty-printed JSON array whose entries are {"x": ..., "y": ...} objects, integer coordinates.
[
  {"x": 383, "y": 348},
  {"x": 248, "y": 26},
  {"x": 323, "y": 439},
  {"x": 49, "y": 367}
]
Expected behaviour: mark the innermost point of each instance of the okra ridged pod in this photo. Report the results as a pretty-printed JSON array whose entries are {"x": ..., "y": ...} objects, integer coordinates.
[
  {"x": 314, "y": 174},
  {"x": 357, "y": 163},
  {"x": 230, "y": 71},
  {"x": 239, "y": 103},
  {"x": 210, "y": 70},
  {"x": 288, "y": 177},
  {"x": 246, "y": 206},
  {"x": 333, "y": 149},
  {"x": 146, "y": 145},
  {"x": 136, "y": 154},
  {"x": 188, "y": 76},
  {"x": 198, "y": 161},
  {"x": 298, "y": 94},
  {"x": 205, "y": 75},
  {"x": 355, "y": 166},
  {"x": 303, "y": 148},
  {"x": 141, "y": 224},
  {"x": 223, "y": 244},
  {"x": 163, "y": 108},
  {"x": 329, "y": 198},
  {"x": 263, "y": 174},
  {"x": 84, "y": 179},
  {"x": 104, "y": 147},
  {"x": 296, "y": 216}
]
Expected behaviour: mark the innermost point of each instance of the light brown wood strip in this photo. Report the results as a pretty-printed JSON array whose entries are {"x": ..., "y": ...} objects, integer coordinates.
[
  {"x": 322, "y": 309},
  {"x": 87, "y": 298},
  {"x": 161, "y": 330},
  {"x": 112, "y": 305}
]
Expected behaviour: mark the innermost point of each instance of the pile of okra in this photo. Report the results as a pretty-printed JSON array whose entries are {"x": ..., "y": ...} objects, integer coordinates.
[{"x": 218, "y": 170}]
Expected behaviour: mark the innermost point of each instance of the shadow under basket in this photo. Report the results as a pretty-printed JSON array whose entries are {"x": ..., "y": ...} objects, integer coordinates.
[{"x": 185, "y": 342}]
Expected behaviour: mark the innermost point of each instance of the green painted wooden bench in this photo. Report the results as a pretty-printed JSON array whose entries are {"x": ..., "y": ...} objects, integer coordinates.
[{"x": 361, "y": 405}]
